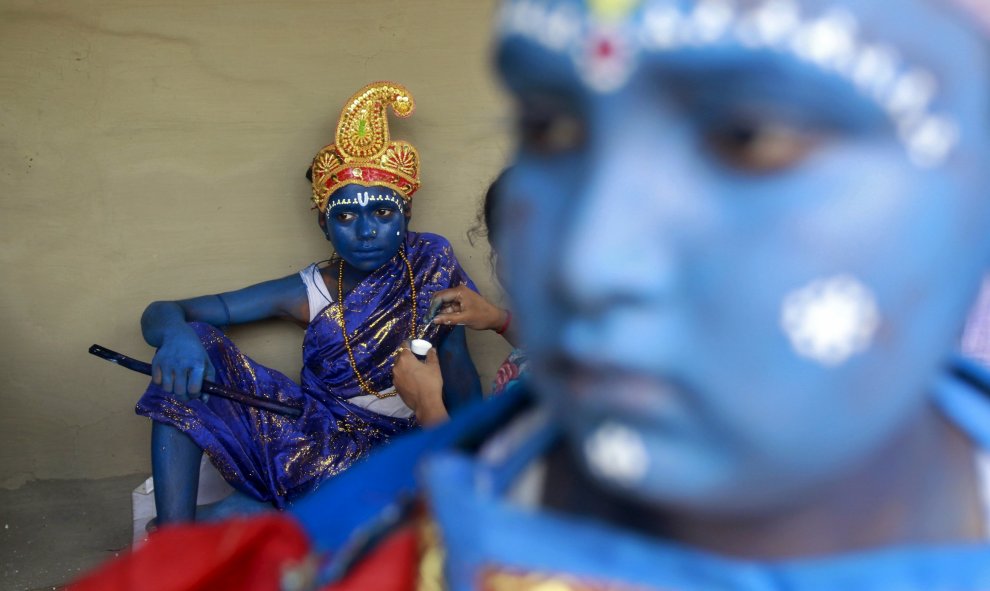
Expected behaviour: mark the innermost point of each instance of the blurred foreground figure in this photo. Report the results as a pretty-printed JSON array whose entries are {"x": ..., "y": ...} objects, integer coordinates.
[{"x": 741, "y": 239}]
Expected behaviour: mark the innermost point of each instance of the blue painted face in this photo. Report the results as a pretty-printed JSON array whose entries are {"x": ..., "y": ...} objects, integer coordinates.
[
  {"x": 366, "y": 225},
  {"x": 741, "y": 249}
]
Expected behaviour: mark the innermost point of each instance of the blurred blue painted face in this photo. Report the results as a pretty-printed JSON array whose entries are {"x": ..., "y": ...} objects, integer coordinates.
[
  {"x": 741, "y": 236},
  {"x": 366, "y": 225}
]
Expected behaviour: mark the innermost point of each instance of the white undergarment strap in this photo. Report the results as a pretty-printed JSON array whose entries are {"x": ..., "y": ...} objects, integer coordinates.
[{"x": 316, "y": 290}]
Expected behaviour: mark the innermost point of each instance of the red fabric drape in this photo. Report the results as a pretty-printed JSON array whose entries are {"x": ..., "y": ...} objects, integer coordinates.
[{"x": 247, "y": 555}]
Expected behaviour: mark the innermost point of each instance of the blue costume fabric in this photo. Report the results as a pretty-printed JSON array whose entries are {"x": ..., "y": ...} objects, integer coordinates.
[
  {"x": 274, "y": 458},
  {"x": 487, "y": 538}
]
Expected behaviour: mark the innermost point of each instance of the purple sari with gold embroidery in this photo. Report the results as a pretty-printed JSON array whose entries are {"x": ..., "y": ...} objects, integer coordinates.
[{"x": 275, "y": 458}]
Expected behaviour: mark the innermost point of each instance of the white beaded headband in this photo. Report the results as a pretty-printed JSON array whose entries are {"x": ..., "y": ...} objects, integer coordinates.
[
  {"x": 362, "y": 199},
  {"x": 605, "y": 51}
]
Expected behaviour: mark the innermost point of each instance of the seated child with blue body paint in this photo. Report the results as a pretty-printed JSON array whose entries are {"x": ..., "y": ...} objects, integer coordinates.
[{"x": 358, "y": 311}]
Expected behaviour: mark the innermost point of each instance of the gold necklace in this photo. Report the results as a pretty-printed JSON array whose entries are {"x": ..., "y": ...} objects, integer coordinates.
[{"x": 343, "y": 326}]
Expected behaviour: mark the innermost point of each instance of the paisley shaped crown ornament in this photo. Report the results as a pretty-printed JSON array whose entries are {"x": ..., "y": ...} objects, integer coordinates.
[{"x": 363, "y": 152}]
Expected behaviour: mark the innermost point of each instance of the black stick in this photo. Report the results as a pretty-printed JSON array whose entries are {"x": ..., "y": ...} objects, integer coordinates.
[{"x": 208, "y": 387}]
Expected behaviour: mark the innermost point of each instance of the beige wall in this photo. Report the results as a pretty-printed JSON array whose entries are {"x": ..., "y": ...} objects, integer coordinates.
[{"x": 156, "y": 150}]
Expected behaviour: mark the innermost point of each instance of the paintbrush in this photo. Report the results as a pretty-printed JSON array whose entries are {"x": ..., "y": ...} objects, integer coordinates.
[{"x": 430, "y": 315}]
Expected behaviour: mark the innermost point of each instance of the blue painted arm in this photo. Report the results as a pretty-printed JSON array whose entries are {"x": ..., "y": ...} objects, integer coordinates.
[
  {"x": 181, "y": 362},
  {"x": 461, "y": 384}
]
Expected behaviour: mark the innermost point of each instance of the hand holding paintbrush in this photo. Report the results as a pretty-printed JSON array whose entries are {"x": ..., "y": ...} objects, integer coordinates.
[{"x": 463, "y": 306}]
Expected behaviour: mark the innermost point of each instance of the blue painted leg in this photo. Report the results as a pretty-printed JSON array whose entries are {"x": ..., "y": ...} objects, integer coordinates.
[{"x": 175, "y": 469}]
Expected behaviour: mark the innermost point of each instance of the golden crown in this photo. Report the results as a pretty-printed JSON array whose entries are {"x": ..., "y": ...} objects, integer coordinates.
[{"x": 363, "y": 152}]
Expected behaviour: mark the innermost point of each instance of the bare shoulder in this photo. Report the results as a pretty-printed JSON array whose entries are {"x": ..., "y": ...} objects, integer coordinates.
[{"x": 273, "y": 298}]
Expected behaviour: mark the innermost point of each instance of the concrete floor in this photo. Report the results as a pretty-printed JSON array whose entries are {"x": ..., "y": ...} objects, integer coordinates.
[{"x": 51, "y": 531}]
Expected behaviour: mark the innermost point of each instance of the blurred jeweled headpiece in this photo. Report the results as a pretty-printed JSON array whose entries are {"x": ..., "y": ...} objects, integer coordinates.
[{"x": 363, "y": 152}]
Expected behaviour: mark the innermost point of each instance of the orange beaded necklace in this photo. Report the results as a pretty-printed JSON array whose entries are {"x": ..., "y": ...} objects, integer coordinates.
[{"x": 343, "y": 326}]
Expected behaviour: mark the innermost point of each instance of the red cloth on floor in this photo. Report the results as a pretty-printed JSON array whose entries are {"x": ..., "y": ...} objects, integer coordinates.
[
  {"x": 248, "y": 555},
  {"x": 245, "y": 554},
  {"x": 391, "y": 566}
]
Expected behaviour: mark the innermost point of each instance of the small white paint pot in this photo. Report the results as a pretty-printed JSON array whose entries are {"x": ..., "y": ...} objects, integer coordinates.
[{"x": 420, "y": 347}]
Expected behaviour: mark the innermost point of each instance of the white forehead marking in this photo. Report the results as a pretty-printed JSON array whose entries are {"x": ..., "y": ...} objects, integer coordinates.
[
  {"x": 563, "y": 27},
  {"x": 364, "y": 198},
  {"x": 874, "y": 69},
  {"x": 607, "y": 60},
  {"x": 605, "y": 51},
  {"x": 771, "y": 24},
  {"x": 830, "y": 41},
  {"x": 710, "y": 20},
  {"x": 830, "y": 320},
  {"x": 616, "y": 453}
]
